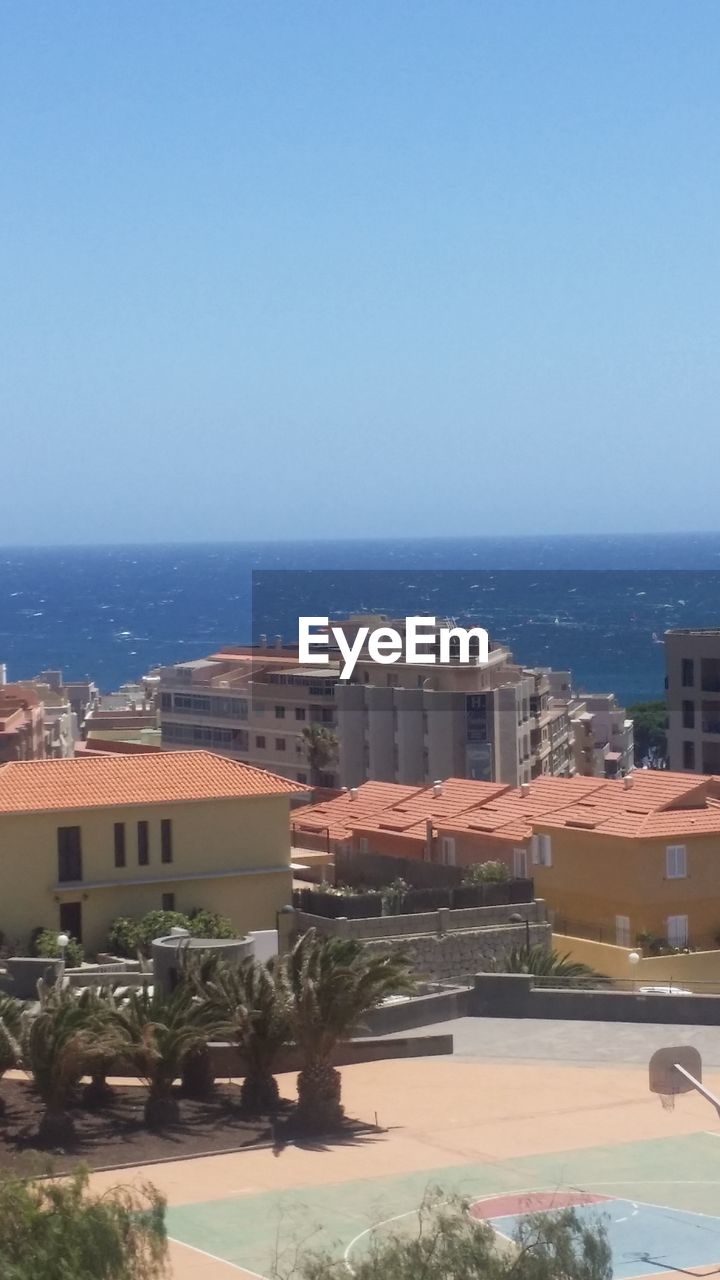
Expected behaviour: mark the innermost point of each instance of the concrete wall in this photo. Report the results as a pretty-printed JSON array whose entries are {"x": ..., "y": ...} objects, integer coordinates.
[
  {"x": 513, "y": 996},
  {"x": 421, "y": 923},
  {"x": 459, "y": 955},
  {"x": 701, "y": 967}
]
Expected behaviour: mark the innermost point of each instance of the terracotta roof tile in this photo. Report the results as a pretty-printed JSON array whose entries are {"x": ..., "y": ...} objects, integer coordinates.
[{"x": 158, "y": 778}]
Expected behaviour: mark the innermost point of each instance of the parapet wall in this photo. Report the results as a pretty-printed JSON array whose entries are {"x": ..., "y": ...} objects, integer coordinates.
[{"x": 505, "y": 995}]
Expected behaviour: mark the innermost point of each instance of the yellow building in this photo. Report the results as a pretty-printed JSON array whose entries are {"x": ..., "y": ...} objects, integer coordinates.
[
  {"x": 637, "y": 856},
  {"x": 85, "y": 840}
]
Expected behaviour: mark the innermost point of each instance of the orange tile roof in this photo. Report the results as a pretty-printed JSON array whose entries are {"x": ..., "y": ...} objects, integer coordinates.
[
  {"x": 511, "y": 815},
  {"x": 160, "y": 778},
  {"x": 390, "y": 806},
  {"x": 657, "y": 804}
]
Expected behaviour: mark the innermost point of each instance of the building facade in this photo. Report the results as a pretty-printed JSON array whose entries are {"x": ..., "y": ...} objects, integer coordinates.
[
  {"x": 692, "y": 663},
  {"x": 83, "y": 841}
]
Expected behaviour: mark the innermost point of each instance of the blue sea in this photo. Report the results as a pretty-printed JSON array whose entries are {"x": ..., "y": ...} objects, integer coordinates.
[{"x": 598, "y": 605}]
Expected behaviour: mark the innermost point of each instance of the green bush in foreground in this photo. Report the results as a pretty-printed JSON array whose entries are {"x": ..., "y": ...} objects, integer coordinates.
[
  {"x": 444, "y": 1243},
  {"x": 57, "y": 1230}
]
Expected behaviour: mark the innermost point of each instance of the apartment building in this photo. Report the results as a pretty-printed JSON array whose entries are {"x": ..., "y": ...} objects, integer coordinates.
[
  {"x": 692, "y": 664},
  {"x": 413, "y": 723},
  {"x": 603, "y": 735},
  {"x": 22, "y": 731},
  {"x": 253, "y": 704},
  {"x": 402, "y": 723},
  {"x": 614, "y": 859},
  {"x": 89, "y": 839}
]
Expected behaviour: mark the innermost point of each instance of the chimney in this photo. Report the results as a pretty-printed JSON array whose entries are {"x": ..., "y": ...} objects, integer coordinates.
[
  {"x": 627, "y": 781},
  {"x": 437, "y": 787},
  {"x": 278, "y": 642},
  {"x": 524, "y": 788},
  {"x": 3, "y": 673},
  {"x": 353, "y": 793},
  {"x": 263, "y": 642}
]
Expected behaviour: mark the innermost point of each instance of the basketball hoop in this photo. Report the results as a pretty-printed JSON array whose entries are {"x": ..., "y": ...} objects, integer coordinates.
[{"x": 673, "y": 1071}]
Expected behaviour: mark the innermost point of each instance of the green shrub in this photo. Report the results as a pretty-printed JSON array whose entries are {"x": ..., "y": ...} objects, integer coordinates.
[
  {"x": 487, "y": 872},
  {"x": 52, "y": 1230},
  {"x": 45, "y": 943},
  {"x": 127, "y": 937}
]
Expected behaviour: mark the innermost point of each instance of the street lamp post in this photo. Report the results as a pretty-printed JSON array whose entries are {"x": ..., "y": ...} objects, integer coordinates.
[{"x": 63, "y": 941}]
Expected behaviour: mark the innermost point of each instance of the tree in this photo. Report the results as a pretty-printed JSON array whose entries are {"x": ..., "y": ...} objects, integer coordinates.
[
  {"x": 650, "y": 733},
  {"x": 493, "y": 872},
  {"x": 333, "y": 982},
  {"x": 57, "y": 1229},
  {"x": 10, "y": 1024},
  {"x": 158, "y": 1031},
  {"x": 69, "y": 1037},
  {"x": 445, "y": 1243},
  {"x": 321, "y": 749},
  {"x": 544, "y": 962},
  {"x": 254, "y": 999}
]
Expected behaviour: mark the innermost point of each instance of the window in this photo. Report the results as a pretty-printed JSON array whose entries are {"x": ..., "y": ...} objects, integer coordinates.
[
  {"x": 677, "y": 931},
  {"x": 520, "y": 863},
  {"x": 279, "y": 713},
  {"x": 622, "y": 931},
  {"x": 143, "y": 844},
  {"x": 166, "y": 702},
  {"x": 544, "y": 851},
  {"x": 688, "y": 714},
  {"x": 167, "y": 902},
  {"x": 279, "y": 744},
  {"x": 119, "y": 833},
  {"x": 299, "y": 713},
  {"x": 363, "y": 844},
  {"x": 447, "y": 850},
  {"x": 688, "y": 755},
  {"x": 69, "y": 853},
  {"x": 676, "y": 862},
  {"x": 688, "y": 673},
  {"x": 166, "y": 840},
  {"x": 260, "y": 741},
  {"x": 302, "y": 777}
]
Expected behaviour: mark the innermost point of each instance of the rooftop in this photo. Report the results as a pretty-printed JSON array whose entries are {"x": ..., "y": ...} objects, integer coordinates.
[
  {"x": 162, "y": 777},
  {"x": 655, "y": 804}
]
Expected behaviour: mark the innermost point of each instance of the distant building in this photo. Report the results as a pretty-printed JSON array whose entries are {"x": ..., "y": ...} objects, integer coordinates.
[
  {"x": 22, "y": 729},
  {"x": 407, "y": 723},
  {"x": 692, "y": 663},
  {"x": 603, "y": 735}
]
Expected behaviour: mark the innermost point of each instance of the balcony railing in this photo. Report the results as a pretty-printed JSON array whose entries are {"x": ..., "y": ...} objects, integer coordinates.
[{"x": 711, "y": 726}]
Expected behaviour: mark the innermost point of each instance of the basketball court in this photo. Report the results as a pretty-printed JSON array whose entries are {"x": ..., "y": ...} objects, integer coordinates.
[{"x": 510, "y": 1137}]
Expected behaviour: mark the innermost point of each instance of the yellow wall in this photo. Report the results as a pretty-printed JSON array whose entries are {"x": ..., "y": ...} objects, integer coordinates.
[
  {"x": 698, "y": 967},
  {"x": 594, "y": 877},
  {"x": 238, "y": 835}
]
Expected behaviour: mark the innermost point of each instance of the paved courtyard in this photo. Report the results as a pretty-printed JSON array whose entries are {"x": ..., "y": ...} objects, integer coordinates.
[{"x": 523, "y": 1109}]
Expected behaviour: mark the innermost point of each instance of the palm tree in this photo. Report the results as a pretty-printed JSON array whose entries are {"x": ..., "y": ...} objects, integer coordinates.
[
  {"x": 10, "y": 1023},
  {"x": 321, "y": 748},
  {"x": 159, "y": 1030},
  {"x": 333, "y": 982},
  {"x": 543, "y": 962},
  {"x": 68, "y": 1038},
  {"x": 254, "y": 999}
]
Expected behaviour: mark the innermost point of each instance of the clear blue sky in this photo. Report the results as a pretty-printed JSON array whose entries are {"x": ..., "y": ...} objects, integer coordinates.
[{"x": 368, "y": 267}]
